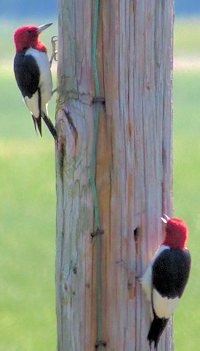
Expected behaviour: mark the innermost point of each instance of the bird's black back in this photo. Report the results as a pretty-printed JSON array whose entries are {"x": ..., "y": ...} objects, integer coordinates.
[
  {"x": 26, "y": 73},
  {"x": 171, "y": 271}
]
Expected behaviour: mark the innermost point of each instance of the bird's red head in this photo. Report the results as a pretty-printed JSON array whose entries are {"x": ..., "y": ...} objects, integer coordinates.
[
  {"x": 176, "y": 233},
  {"x": 28, "y": 37}
]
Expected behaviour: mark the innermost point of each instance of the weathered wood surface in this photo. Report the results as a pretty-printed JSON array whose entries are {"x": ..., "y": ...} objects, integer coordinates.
[{"x": 133, "y": 168}]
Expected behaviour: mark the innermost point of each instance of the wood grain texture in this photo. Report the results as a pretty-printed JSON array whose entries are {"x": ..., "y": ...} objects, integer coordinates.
[{"x": 133, "y": 167}]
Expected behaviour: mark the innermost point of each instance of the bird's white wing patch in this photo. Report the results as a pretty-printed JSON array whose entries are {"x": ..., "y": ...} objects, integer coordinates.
[
  {"x": 32, "y": 104},
  {"x": 45, "y": 83},
  {"x": 146, "y": 280},
  {"x": 163, "y": 306}
]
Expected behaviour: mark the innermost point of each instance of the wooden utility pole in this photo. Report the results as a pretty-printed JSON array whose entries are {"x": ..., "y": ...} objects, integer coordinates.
[{"x": 113, "y": 167}]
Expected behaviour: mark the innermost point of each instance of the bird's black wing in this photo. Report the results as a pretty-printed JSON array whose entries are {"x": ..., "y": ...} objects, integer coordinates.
[
  {"x": 170, "y": 272},
  {"x": 26, "y": 73}
]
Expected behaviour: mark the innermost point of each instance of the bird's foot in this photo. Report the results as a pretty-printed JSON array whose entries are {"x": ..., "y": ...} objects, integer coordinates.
[{"x": 54, "y": 55}]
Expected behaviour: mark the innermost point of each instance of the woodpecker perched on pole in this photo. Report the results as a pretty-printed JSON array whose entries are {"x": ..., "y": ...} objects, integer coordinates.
[
  {"x": 166, "y": 276},
  {"x": 33, "y": 74}
]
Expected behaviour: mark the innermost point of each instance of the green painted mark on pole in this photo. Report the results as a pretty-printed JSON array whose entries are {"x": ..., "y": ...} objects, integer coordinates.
[{"x": 97, "y": 225}]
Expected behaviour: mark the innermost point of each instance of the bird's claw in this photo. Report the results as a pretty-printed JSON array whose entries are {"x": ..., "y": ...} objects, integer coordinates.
[{"x": 54, "y": 55}]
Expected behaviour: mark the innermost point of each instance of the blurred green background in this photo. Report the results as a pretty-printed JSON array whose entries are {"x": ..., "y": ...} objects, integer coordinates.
[
  {"x": 186, "y": 180},
  {"x": 27, "y": 215},
  {"x": 27, "y": 206}
]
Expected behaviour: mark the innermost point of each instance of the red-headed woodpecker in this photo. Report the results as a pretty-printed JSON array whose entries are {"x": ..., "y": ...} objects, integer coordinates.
[
  {"x": 166, "y": 276},
  {"x": 33, "y": 74}
]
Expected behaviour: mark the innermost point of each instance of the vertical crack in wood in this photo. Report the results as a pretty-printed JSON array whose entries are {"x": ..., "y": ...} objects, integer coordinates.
[
  {"x": 72, "y": 126},
  {"x": 61, "y": 152}
]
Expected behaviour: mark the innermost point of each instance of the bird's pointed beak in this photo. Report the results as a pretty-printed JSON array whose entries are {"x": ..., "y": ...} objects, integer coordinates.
[
  {"x": 43, "y": 27},
  {"x": 165, "y": 218}
]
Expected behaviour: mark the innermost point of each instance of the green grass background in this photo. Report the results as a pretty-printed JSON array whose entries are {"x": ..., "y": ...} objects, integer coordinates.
[
  {"x": 187, "y": 200},
  {"x": 27, "y": 217},
  {"x": 27, "y": 205}
]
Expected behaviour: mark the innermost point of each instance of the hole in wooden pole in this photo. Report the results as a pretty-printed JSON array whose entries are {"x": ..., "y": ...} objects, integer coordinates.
[{"x": 137, "y": 234}]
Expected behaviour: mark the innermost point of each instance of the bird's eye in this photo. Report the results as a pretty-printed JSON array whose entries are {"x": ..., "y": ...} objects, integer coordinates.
[{"x": 29, "y": 31}]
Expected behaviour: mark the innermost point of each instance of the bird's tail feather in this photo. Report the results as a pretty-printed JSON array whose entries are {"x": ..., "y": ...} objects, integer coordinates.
[
  {"x": 50, "y": 125},
  {"x": 37, "y": 124},
  {"x": 156, "y": 329}
]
